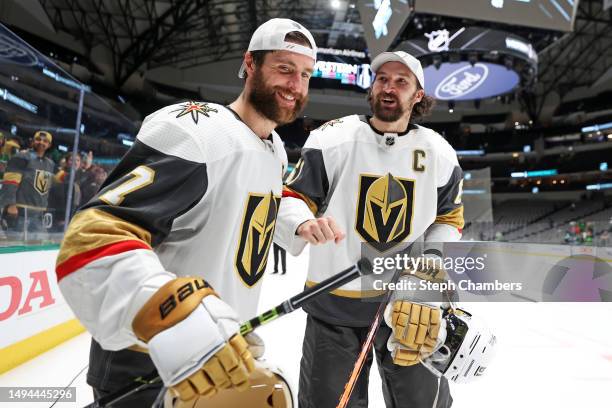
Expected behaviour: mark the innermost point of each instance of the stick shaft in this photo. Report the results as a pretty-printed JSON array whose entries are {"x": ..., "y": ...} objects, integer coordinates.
[
  {"x": 365, "y": 348},
  {"x": 301, "y": 299}
]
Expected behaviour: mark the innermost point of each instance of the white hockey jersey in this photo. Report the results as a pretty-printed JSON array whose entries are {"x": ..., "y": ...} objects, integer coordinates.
[
  {"x": 383, "y": 189},
  {"x": 196, "y": 195}
]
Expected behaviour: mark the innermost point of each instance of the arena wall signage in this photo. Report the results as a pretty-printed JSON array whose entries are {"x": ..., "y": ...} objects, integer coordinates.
[
  {"x": 348, "y": 74},
  {"x": 349, "y": 67},
  {"x": 34, "y": 316},
  {"x": 462, "y": 81},
  {"x": 473, "y": 63},
  {"x": 6, "y": 95},
  {"x": 66, "y": 81},
  {"x": 344, "y": 52}
]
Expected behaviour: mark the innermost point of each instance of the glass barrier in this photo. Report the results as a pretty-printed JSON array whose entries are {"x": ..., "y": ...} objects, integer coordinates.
[
  {"x": 41, "y": 103},
  {"x": 47, "y": 117}
]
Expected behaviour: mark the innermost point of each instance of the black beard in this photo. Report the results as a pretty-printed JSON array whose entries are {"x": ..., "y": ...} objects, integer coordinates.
[
  {"x": 386, "y": 114},
  {"x": 263, "y": 100}
]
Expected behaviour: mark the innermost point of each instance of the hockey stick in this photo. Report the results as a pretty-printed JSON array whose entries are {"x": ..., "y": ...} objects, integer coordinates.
[
  {"x": 367, "y": 346},
  {"x": 363, "y": 267}
]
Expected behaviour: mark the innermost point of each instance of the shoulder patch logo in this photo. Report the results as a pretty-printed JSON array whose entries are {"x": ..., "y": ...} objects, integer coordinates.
[
  {"x": 195, "y": 109},
  {"x": 331, "y": 123},
  {"x": 256, "y": 232},
  {"x": 384, "y": 210}
]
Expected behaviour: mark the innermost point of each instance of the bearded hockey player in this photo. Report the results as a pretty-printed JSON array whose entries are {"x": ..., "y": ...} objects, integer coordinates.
[
  {"x": 169, "y": 255},
  {"x": 384, "y": 181}
]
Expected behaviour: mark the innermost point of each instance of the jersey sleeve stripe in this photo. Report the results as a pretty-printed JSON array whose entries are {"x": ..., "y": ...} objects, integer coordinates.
[
  {"x": 92, "y": 229},
  {"x": 453, "y": 218},
  {"x": 288, "y": 192},
  {"x": 12, "y": 178},
  {"x": 79, "y": 261}
]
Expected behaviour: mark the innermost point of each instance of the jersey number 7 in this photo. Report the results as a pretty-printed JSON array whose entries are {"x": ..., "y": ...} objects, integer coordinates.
[{"x": 141, "y": 176}]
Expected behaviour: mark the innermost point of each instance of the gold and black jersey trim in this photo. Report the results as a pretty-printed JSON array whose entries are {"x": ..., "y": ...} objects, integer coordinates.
[
  {"x": 453, "y": 218},
  {"x": 449, "y": 195},
  {"x": 289, "y": 192},
  {"x": 353, "y": 294},
  {"x": 12, "y": 178},
  {"x": 94, "y": 234},
  {"x": 308, "y": 181},
  {"x": 329, "y": 124},
  {"x": 94, "y": 228}
]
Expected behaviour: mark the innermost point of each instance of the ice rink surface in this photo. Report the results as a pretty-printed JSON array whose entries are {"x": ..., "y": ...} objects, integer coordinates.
[{"x": 549, "y": 354}]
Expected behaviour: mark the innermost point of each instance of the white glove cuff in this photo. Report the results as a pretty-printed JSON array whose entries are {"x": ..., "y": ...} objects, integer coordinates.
[
  {"x": 182, "y": 349},
  {"x": 223, "y": 315}
]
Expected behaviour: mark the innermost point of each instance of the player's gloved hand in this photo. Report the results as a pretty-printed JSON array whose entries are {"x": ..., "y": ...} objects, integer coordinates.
[
  {"x": 415, "y": 315},
  {"x": 417, "y": 331},
  {"x": 256, "y": 344},
  {"x": 193, "y": 339}
]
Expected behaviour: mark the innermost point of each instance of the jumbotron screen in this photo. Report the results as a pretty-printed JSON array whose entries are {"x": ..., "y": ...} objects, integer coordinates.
[
  {"x": 548, "y": 14},
  {"x": 382, "y": 21}
]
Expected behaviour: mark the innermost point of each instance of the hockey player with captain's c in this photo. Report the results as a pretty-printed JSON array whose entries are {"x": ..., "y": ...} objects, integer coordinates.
[
  {"x": 407, "y": 182},
  {"x": 139, "y": 262}
]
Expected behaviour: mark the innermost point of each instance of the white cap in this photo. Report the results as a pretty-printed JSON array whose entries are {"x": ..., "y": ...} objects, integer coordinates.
[
  {"x": 270, "y": 36},
  {"x": 400, "y": 56}
]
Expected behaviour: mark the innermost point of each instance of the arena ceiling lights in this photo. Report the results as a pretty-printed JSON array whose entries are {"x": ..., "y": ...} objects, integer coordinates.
[{"x": 473, "y": 63}]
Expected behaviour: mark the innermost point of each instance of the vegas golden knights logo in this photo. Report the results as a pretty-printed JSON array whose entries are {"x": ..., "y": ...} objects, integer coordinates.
[
  {"x": 384, "y": 210},
  {"x": 42, "y": 181},
  {"x": 256, "y": 235}
]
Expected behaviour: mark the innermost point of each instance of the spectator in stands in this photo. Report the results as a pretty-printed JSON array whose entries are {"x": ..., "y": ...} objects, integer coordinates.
[
  {"x": 59, "y": 194},
  {"x": 92, "y": 184},
  {"x": 9, "y": 146},
  {"x": 25, "y": 190},
  {"x": 81, "y": 166}
]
